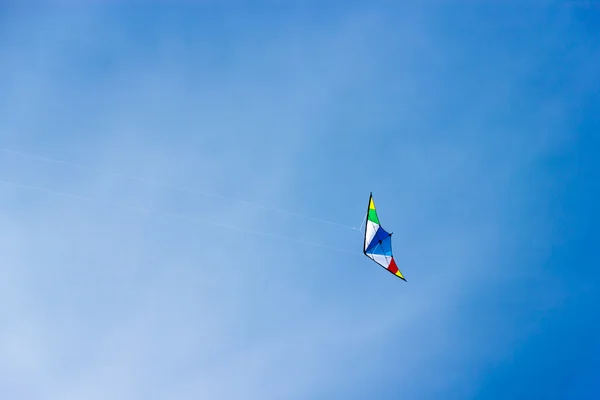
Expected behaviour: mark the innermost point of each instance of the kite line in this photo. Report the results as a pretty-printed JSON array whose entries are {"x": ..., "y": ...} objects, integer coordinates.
[
  {"x": 174, "y": 187},
  {"x": 173, "y": 216}
]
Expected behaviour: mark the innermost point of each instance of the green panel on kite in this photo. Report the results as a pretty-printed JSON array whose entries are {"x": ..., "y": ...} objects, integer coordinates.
[{"x": 373, "y": 216}]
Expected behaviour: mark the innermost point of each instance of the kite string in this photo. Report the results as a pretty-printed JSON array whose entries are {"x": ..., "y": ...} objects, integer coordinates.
[
  {"x": 174, "y": 216},
  {"x": 363, "y": 221},
  {"x": 174, "y": 187}
]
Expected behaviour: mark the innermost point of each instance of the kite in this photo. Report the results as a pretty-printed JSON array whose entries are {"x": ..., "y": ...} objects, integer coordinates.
[{"x": 378, "y": 242}]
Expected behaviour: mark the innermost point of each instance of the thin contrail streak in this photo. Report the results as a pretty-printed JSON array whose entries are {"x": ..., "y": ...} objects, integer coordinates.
[
  {"x": 173, "y": 187},
  {"x": 174, "y": 216}
]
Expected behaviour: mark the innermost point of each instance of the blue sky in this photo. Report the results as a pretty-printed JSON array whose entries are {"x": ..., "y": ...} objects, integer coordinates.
[{"x": 475, "y": 126}]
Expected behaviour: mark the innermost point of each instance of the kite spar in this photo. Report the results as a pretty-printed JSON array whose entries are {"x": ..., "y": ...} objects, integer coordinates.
[{"x": 378, "y": 242}]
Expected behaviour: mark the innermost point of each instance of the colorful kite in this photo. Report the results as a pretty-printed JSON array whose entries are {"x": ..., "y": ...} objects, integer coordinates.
[{"x": 378, "y": 242}]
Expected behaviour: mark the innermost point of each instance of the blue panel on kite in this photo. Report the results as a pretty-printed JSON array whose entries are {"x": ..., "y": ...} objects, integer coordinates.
[
  {"x": 380, "y": 236},
  {"x": 384, "y": 248}
]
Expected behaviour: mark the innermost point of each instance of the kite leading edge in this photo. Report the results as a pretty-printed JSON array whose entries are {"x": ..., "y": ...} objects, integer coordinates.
[{"x": 378, "y": 242}]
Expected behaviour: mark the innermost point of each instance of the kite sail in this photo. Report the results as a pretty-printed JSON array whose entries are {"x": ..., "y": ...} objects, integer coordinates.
[{"x": 378, "y": 242}]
